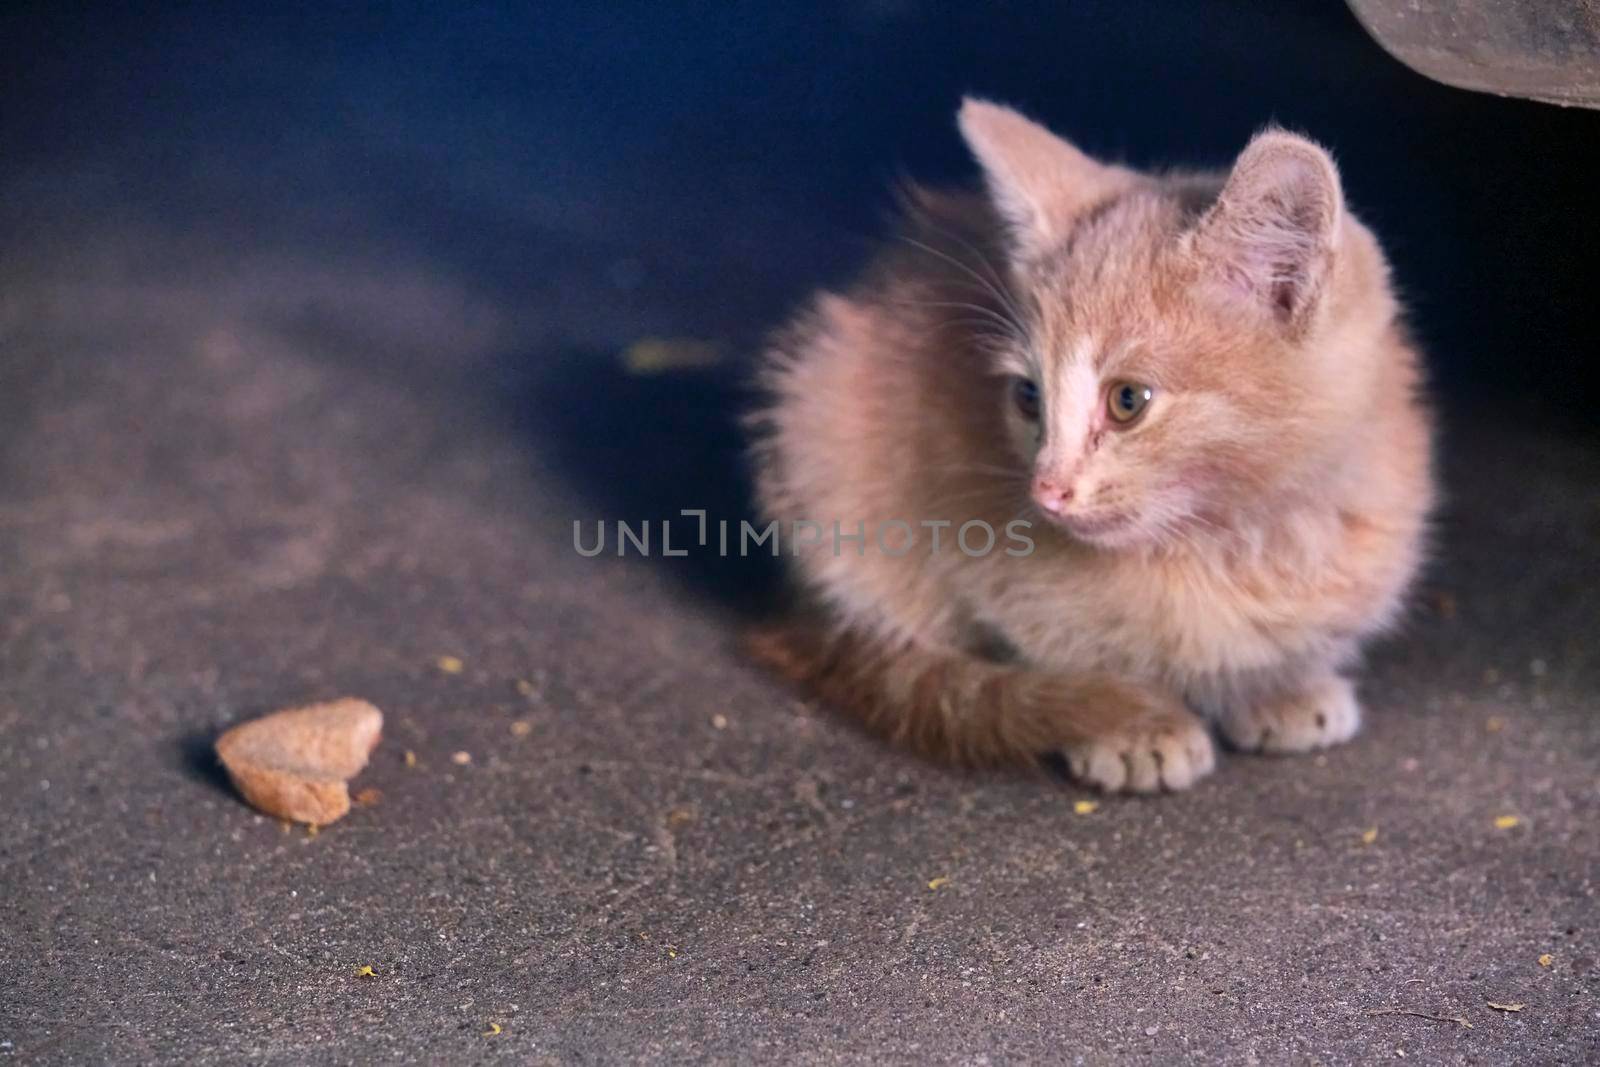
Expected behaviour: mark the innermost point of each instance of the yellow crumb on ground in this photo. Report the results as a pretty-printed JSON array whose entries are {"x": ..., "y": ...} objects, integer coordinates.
[
  {"x": 521, "y": 728},
  {"x": 450, "y": 664},
  {"x": 1085, "y": 807},
  {"x": 461, "y": 759},
  {"x": 494, "y": 1028},
  {"x": 1546, "y": 960},
  {"x": 652, "y": 355},
  {"x": 411, "y": 758},
  {"x": 1369, "y": 835},
  {"x": 1507, "y": 822},
  {"x": 939, "y": 882},
  {"x": 672, "y": 952},
  {"x": 1505, "y": 1007},
  {"x": 366, "y": 971}
]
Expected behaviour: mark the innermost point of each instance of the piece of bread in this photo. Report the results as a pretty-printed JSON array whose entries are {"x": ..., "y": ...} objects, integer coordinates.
[{"x": 295, "y": 763}]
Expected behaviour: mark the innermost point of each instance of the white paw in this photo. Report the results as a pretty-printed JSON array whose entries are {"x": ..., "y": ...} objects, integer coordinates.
[
  {"x": 1171, "y": 752},
  {"x": 1325, "y": 714}
]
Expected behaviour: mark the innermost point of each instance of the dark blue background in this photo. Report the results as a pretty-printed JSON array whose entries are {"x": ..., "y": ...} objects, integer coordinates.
[{"x": 695, "y": 168}]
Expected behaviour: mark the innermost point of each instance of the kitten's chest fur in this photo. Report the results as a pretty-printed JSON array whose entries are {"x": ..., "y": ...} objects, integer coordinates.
[{"x": 1199, "y": 621}]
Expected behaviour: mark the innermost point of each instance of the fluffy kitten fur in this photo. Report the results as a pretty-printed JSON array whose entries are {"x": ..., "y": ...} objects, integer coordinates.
[{"x": 1222, "y": 557}]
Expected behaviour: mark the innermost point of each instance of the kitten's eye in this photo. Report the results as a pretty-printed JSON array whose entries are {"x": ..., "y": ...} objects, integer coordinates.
[
  {"x": 1026, "y": 395},
  {"x": 1127, "y": 400}
]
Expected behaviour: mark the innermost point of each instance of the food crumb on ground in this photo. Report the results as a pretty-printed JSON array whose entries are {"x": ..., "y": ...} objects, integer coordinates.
[
  {"x": 1369, "y": 835},
  {"x": 366, "y": 971},
  {"x": 450, "y": 664},
  {"x": 521, "y": 728},
  {"x": 939, "y": 882},
  {"x": 652, "y": 355},
  {"x": 461, "y": 759},
  {"x": 719, "y": 722},
  {"x": 296, "y": 763},
  {"x": 1085, "y": 807},
  {"x": 494, "y": 1028},
  {"x": 1546, "y": 960},
  {"x": 411, "y": 758},
  {"x": 1507, "y": 822}
]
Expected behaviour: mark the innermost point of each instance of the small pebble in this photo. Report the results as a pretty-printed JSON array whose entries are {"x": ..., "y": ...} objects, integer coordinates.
[{"x": 461, "y": 759}]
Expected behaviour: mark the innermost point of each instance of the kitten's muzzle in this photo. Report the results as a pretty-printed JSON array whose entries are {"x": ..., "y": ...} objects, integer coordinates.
[{"x": 1052, "y": 496}]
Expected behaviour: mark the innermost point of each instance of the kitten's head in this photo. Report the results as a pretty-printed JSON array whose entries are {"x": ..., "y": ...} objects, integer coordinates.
[{"x": 1183, "y": 356}]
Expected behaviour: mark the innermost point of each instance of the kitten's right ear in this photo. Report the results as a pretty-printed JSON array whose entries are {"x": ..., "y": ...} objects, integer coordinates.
[
  {"x": 1271, "y": 237},
  {"x": 1039, "y": 183}
]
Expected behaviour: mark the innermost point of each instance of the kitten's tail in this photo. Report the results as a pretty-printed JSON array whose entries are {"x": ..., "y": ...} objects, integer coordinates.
[{"x": 948, "y": 705}]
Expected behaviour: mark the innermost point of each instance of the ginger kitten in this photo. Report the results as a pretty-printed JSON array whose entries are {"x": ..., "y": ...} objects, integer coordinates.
[{"x": 1195, "y": 394}]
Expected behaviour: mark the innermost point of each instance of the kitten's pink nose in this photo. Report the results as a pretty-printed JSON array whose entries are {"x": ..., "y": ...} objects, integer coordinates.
[{"x": 1051, "y": 496}]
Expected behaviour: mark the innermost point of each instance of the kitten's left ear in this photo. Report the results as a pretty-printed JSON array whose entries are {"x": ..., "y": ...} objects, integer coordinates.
[
  {"x": 1271, "y": 237},
  {"x": 1038, "y": 182}
]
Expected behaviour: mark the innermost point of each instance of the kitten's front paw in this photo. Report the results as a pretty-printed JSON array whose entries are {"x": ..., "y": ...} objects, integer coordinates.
[
  {"x": 1322, "y": 715},
  {"x": 1170, "y": 752}
]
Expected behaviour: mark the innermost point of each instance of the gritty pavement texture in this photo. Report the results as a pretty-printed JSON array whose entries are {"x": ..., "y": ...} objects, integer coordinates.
[{"x": 247, "y": 462}]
